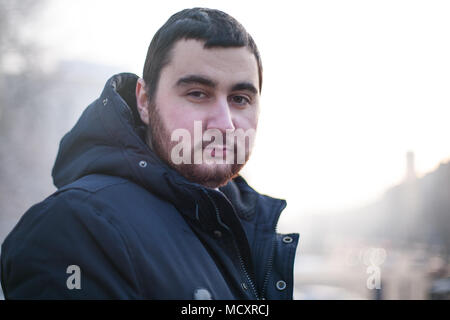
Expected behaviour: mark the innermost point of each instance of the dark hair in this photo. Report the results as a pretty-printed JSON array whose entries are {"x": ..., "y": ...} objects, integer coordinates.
[{"x": 215, "y": 27}]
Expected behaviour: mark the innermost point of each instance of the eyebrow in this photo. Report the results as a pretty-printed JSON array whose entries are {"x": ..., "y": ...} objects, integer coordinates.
[
  {"x": 245, "y": 86},
  {"x": 197, "y": 79}
]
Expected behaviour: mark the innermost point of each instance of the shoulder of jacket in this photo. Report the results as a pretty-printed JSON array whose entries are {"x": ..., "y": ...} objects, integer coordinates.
[
  {"x": 106, "y": 199},
  {"x": 109, "y": 196},
  {"x": 81, "y": 197},
  {"x": 73, "y": 202},
  {"x": 93, "y": 183}
]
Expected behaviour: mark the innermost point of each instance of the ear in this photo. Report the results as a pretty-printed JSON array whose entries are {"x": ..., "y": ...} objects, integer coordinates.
[{"x": 142, "y": 100}]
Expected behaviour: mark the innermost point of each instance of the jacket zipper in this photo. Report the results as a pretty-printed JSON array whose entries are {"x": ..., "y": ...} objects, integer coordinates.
[
  {"x": 270, "y": 263},
  {"x": 269, "y": 267},
  {"x": 241, "y": 261}
]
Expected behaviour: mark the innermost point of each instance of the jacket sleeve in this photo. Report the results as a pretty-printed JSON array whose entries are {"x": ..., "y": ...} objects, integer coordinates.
[{"x": 67, "y": 248}]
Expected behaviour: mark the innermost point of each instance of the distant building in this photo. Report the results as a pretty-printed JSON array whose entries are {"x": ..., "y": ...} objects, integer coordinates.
[{"x": 410, "y": 167}]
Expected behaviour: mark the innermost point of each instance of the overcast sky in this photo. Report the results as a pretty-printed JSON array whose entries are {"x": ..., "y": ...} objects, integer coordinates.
[{"x": 349, "y": 86}]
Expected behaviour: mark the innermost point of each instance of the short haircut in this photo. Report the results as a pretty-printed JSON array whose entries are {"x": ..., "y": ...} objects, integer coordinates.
[{"x": 214, "y": 27}]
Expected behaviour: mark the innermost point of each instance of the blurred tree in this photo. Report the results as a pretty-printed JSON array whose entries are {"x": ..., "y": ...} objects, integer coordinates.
[
  {"x": 22, "y": 83},
  {"x": 18, "y": 56}
]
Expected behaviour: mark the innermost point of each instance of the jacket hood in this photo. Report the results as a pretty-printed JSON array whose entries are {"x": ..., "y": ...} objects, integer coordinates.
[{"x": 109, "y": 138}]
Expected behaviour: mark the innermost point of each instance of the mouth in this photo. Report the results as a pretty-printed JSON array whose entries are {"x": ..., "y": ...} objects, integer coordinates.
[{"x": 217, "y": 151}]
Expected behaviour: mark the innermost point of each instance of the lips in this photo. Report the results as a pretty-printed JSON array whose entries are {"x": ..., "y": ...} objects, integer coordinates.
[{"x": 219, "y": 151}]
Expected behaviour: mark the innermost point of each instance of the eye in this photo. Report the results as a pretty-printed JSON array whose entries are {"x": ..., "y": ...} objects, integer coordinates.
[
  {"x": 197, "y": 94},
  {"x": 240, "y": 100}
]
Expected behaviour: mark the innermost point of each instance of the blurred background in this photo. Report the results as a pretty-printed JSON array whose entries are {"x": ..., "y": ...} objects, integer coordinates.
[{"x": 353, "y": 132}]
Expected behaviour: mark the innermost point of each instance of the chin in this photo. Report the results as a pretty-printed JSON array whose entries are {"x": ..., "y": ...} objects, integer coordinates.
[{"x": 210, "y": 175}]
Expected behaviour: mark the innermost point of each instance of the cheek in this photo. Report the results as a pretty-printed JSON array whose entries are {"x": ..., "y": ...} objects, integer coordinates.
[
  {"x": 179, "y": 115},
  {"x": 171, "y": 112},
  {"x": 246, "y": 120}
]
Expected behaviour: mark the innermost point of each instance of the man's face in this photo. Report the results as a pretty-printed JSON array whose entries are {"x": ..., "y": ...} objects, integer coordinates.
[{"x": 216, "y": 86}]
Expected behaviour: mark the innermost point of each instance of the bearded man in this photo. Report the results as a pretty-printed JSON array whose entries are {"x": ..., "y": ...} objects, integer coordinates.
[{"x": 135, "y": 215}]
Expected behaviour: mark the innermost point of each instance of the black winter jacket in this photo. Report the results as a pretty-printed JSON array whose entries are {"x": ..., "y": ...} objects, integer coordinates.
[{"x": 137, "y": 229}]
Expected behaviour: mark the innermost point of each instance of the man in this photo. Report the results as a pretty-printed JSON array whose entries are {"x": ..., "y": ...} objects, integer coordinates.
[{"x": 129, "y": 219}]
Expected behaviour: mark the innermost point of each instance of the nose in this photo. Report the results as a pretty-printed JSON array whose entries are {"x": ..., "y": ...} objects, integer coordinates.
[{"x": 220, "y": 116}]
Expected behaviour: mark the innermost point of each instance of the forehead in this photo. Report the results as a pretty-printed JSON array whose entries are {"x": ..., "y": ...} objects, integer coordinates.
[{"x": 223, "y": 65}]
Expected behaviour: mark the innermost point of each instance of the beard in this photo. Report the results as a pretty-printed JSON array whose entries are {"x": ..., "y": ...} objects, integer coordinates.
[{"x": 211, "y": 175}]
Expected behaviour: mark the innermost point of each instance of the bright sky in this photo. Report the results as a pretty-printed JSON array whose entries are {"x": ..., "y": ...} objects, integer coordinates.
[{"x": 349, "y": 86}]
